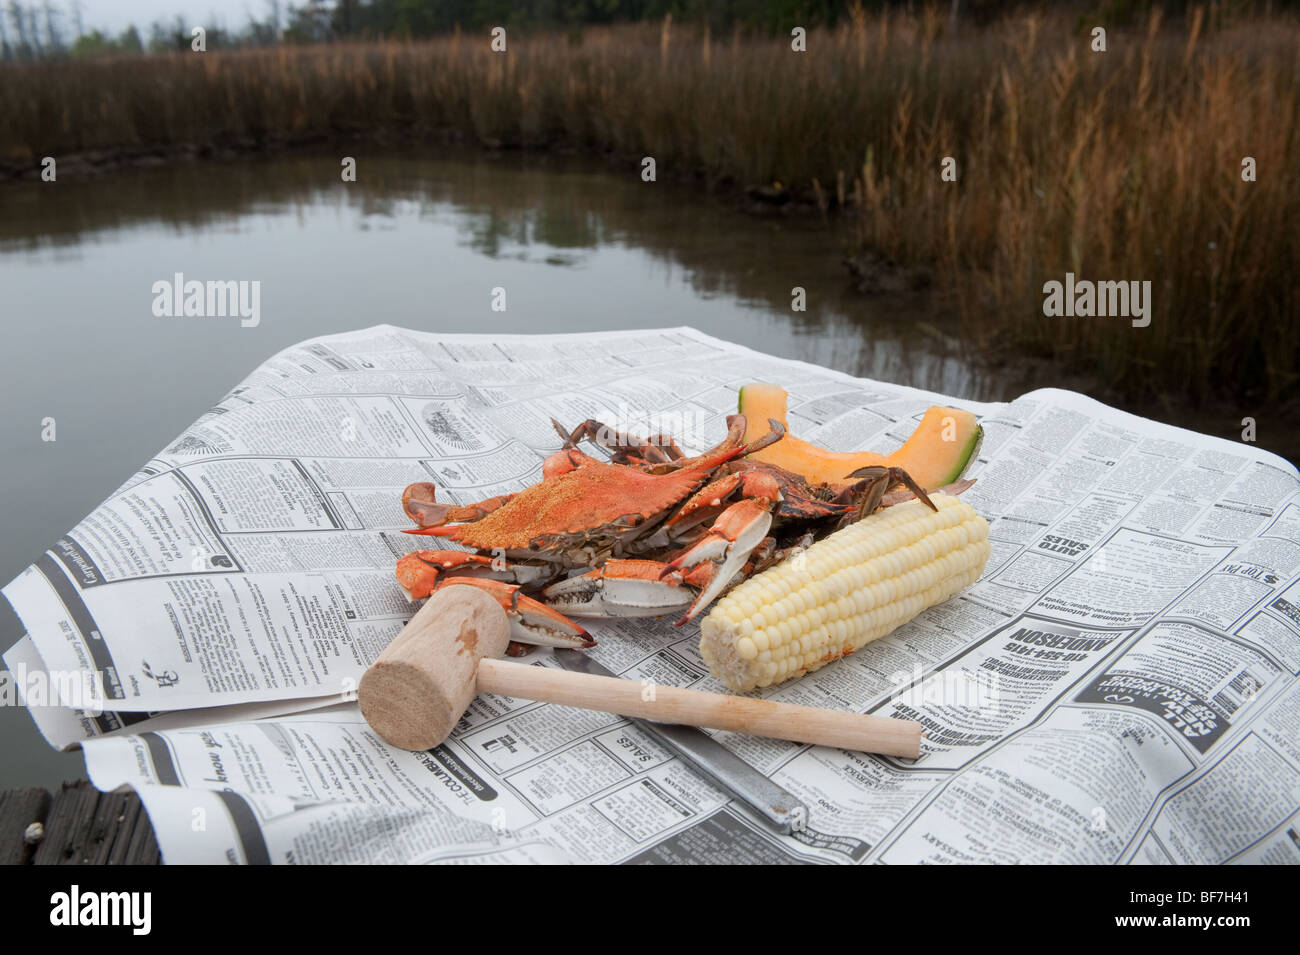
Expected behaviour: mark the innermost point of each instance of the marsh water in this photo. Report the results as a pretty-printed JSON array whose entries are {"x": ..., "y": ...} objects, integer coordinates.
[{"x": 420, "y": 240}]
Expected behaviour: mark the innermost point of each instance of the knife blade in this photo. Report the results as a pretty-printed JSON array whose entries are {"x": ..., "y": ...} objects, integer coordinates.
[{"x": 777, "y": 805}]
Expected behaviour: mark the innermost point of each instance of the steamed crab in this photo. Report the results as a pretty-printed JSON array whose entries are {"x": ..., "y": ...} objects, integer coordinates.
[{"x": 647, "y": 532}]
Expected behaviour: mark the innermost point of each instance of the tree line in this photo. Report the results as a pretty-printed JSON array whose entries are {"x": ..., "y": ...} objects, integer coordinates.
[{"x": 39, "y": 29}]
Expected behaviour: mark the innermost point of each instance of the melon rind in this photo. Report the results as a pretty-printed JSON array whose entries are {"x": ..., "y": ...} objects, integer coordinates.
[{"x": 933, "y": 464}]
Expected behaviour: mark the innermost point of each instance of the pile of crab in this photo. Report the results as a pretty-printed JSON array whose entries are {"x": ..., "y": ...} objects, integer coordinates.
[{"x": 646, "y": 531}]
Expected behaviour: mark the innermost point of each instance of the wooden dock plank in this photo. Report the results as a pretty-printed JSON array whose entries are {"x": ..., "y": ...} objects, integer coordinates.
[
  {"x": 134, "y": 820},
  {"x": 68, "y": 825},
  {"x": 108, "y": 827},
  {"x": 143, "y": 846},
  {"x": 19, "y": 808},
  {"x": 82, "y": 827}
]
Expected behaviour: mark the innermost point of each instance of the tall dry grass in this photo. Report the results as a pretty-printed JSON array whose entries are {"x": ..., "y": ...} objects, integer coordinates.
[{"x": 1116, "y": 165}]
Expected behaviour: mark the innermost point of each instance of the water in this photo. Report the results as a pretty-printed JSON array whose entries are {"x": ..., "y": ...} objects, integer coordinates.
[{"x": 419, "y": 241}]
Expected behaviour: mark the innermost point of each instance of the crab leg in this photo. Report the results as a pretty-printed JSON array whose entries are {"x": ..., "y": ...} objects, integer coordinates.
[
  {"x": 420, "y": 571},
  {"x": 621, "y": 588},
  {"x": 898, "y": 497},
  {"x": 530, "y": 621},
  {"x": 727, "y": 546},
  {"x": 418, "y": 500},
  {"x": 879, "y": 480},
  {"x": 653, "y": 458},
  {"x": 712, "y": 499},
  {"x": 732, "y": 442},
  {"x": 705, "y": 504},
  {"x": 669, "y": 447},
  {"x": 620, "y": 442}
]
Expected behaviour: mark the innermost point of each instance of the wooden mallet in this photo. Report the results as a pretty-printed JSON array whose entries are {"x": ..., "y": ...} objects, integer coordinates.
[{"x": 423, "y": 682}]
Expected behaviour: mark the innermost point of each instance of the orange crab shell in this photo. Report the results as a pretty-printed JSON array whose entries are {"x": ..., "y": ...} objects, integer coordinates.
[{"x": 591, "y": 499}]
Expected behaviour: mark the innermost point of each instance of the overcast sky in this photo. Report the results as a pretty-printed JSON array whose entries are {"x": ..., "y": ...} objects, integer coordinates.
[{"x": 113, "y": 16}]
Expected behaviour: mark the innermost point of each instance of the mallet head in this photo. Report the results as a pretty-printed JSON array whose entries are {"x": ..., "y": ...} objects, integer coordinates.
[{"x": 416, "y": 692}]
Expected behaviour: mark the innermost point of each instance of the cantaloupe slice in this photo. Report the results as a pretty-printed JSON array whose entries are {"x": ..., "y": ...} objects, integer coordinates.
[{"x": 938, "y": 452}]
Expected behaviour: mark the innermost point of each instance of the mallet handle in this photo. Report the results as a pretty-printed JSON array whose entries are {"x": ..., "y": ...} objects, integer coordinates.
[{"x": 802, "y": 724}]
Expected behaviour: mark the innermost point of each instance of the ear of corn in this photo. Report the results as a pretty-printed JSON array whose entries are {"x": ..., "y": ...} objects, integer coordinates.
[{"x": 855, "y": 586}]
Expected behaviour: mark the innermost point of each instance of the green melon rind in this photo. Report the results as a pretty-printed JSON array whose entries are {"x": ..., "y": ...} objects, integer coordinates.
[
  {"x": 963, "y": 461},
  {"x": 972, "y": 452}
]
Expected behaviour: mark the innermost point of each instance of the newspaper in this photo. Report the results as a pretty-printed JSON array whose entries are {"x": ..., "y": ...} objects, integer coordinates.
[{"x": 1119, "y": 687}]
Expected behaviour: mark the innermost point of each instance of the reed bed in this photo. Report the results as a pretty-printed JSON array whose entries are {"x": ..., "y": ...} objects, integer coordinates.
[{"x": 1123, "y": 165}]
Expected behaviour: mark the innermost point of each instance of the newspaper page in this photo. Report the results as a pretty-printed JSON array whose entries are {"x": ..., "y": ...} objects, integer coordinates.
[{"x": 1119, "y": 687}]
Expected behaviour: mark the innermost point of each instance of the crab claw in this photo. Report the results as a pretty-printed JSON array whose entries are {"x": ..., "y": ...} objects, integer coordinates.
[
  {"x": 418, "y": 501},
  {"x": 417, "y": 577},
  {"x": 420, "y": 570},
  {"x": 621, "y": 588},
  {"x": 562, "y": 462},
  {"x": 727, "y": 545},
  {"x": 530, "y": 621}
]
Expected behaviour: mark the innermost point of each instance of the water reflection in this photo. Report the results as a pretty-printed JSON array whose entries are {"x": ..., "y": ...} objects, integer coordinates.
[{"x": 651, "y": 239}]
